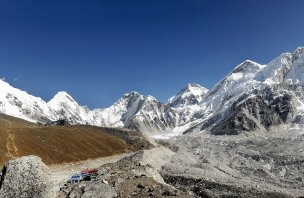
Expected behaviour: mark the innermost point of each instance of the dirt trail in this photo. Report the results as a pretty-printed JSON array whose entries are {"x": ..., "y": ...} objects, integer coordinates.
[
  {"x": 11, "y": 147},
  {"x": 12, "y": 150}
]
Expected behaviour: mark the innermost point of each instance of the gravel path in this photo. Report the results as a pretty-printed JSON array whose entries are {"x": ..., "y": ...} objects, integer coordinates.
[{"x": 61, "y": 173}]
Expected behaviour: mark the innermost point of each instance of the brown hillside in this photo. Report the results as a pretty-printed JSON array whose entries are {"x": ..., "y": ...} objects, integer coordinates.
[{"x": 58, "y": 144}]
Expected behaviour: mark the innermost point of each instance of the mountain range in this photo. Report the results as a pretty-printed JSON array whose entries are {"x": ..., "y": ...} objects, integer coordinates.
[{"x": 252, "y": 97}]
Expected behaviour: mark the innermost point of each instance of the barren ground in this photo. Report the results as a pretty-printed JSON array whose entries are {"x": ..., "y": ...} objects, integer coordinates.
[{"x": 61, "y": 144}]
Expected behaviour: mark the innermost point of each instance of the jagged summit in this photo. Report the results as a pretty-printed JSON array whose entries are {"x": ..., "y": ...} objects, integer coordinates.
[
  {"x": 191, "y": 94},
  {"x": 131, "y": 94},
  {"x": 191, "y": 85},
  {"x": 194, "y": 88}
]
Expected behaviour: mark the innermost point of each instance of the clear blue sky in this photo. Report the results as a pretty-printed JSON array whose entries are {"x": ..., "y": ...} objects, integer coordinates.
[{"x": 97, "y": 50}]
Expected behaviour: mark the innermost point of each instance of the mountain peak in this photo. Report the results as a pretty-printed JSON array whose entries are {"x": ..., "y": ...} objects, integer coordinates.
[
  {"x": 132, "y": 94},
  {"x": 247, "y": 66},
  {"x": 62, "y": 98},
  {"x": 62, "y": 93},
  {"x": 193, "y": 87},
  {"x": 191, "y": 94}
]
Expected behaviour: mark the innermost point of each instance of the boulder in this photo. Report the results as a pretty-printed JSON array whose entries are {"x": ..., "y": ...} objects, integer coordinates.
[{"x": 25, "y": 177}]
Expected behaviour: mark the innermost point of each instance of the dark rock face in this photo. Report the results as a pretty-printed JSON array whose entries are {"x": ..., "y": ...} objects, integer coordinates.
[
  {"x": 266, "y": 109},
  {"x": 25, "y": 177}
]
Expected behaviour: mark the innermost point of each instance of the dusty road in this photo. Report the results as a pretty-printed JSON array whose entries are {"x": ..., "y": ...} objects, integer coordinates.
[{"x": 62, "y": 172}]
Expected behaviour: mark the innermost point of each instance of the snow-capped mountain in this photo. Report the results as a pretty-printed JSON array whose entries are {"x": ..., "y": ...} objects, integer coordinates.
[
  {"x": 152, "y": 116},
  {"x": 187, "y": 102},
  {"x": 133, "y": 110},
  {"x": 255, "y": 97},
  {"x": 192, "y": 94},
  {"x": 251, "y": 97},
  {"x": 20, "y": 104},
  {"x": 63, "y": 106},
  {"x": 138, "y": 112}
]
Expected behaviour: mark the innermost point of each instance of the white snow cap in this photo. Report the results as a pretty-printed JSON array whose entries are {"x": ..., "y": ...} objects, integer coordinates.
[
  {"x": 61, "y": 98},
  {"x": 191, "y": 94}
]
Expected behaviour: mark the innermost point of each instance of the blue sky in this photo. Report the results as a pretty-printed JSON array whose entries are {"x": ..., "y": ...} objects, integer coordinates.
[{"x": 97, "y": 50}]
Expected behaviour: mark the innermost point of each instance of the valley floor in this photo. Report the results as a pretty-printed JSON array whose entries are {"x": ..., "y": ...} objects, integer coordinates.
[{"x": 251, "y": 165}]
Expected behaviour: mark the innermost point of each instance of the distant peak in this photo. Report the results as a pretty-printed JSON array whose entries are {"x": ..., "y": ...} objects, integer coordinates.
[
  {"x": 131, "y": 94},
  {"x": 246, "y": 66},
  {"x": 193, "y": 86},
  {"x": 62, "y": 93},
  {"x": 189, "y": 85},
  {"x": 247, "y": 62},
  {"x": 63, "y": 96},
  {"x": 191, "y": 94}
]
